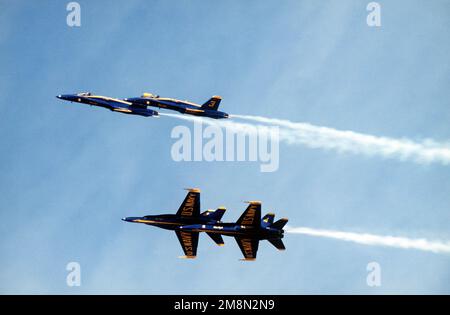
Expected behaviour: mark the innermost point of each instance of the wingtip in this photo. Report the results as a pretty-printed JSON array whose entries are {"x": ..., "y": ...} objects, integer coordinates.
[
  {"x": 253, "y": 202},
  {"x": 193, "y": 189},
  {"x": 187, "y": 257}
]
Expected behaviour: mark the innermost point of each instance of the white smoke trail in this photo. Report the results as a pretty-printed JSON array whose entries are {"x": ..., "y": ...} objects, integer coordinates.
[
  {"x": 312, "y": 136},
  {"x": 427, "y": 151},
  {"x": 437, "y": 247},
  {"x": 231, "y": 125}
]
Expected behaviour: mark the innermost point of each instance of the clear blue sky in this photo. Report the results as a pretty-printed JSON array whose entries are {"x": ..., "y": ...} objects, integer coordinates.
[{"x": 69, "y": 173}]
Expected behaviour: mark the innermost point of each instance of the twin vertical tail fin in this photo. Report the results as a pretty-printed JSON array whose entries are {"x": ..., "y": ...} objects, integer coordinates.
[
  {"x": 267, "y": 220},
  {"x": 214, "y": 215},
  {"x": 213, "y": 103}
]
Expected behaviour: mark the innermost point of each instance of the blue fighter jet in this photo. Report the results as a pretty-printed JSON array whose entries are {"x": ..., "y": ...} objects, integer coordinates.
[
  {"x": 187, "y": 214},
  {"x": 208, "y": 109},
  {"x": 247, "y": 231},
  {"x": 113, "y": 104}
]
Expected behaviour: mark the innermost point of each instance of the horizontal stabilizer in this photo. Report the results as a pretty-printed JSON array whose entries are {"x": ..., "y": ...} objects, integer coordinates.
[
  {"x": 278, "y": 243},
  {"x": 280, "y": 223},
  {"x": 217, "y": 238}
]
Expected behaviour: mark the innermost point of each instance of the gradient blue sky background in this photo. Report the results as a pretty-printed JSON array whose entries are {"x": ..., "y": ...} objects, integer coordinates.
[{"x": 69, "y": 173}]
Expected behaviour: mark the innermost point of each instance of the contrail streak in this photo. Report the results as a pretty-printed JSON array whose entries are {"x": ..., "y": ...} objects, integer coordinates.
[
  {"x": 436, "y": 247},
  {"x": 294, "y": 133},
  {"x": 427, "y": 151}
]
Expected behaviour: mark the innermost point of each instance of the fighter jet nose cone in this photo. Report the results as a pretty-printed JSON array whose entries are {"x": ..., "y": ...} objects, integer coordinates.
[
  {"x": 58, "y": 96},
  {"x": 124, "y": 219}
]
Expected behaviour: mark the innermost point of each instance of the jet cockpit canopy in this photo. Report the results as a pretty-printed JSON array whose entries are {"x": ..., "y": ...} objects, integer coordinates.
[
  {"x": 149, "y": 95},
  {"x": 85, "y": 94}
]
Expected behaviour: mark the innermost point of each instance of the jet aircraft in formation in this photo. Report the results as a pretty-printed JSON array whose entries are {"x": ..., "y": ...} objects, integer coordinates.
[
  {"x": 188, "y": 222},
  {"x": 139, "y": 105},
  {"x": 113, "y": 104}
]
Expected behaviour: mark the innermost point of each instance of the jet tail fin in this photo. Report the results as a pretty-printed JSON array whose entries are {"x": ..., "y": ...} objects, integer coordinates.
[
  {"x": 280, "y": 223},
  {"x": 213, "y": 103},
  {"x": 267, "y": 220},
  {"x": 278, "y": 243},
  {"x": 214, "y": 215}
]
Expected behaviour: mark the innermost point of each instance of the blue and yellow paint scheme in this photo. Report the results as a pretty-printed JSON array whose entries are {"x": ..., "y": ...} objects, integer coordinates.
[
  {"x": 208, "y": 109},
  {"x": 187, "y": 214},
  {"x": 113, "y": 104},
  {"x": 248, "y": 230}
]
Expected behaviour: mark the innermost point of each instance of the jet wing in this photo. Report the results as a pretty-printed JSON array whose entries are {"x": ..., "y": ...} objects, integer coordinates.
[
  {"x": 252, "y": 215},
  {"x": 191, "y": 204},
  {"x": 189, "y": 242},
  {"x": 248, "y": 247},
  {"x": 92, "y": 100}
]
